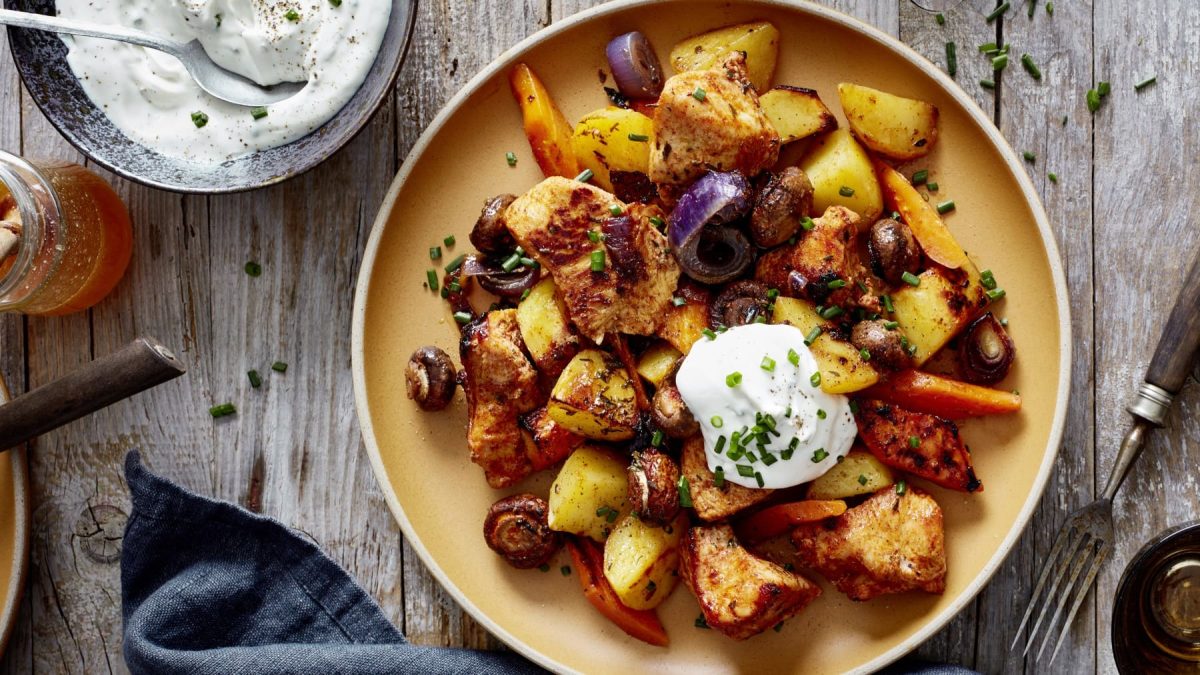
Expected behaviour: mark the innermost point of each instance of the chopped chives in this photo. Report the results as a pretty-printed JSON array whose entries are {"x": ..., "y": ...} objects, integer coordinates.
[
  {"x": 455, "y": 264},
  {"x": 511, "y": 263},
  {"x": 910, "y": 279},
  {"x": 528, "y": 262},
  {"x": 1029, "y": 156},
  {"x": 745, "y": 470},
  {"x": 733, "y": 379},
  {"x": 767, "y": 364},
  {"x": 292, "y": 15},
  {"x": 793, "y": 355},
  {"x": 821, "y": 414},
  {"x": 940, "y": 18},
  {"x": 658, "y": 222},
  {"x": 615, "y": 210},
  {"x": 862, "y": 480},
  {"x": 836, "y": 284},
  {"x": 864, "y": 354},
  {"x": 891, "y": 325},
  {"x": 708, "y": 333},
  {"x": 720, "y": 444},
  {"x": 336, "y": 3},
  {"x": 951, "y": 59},
  {"x": 511, "y": 158},
  {"x": 946, "y": 206},
  {"x": 455, "y": 287},
  {"x": 772, "y": 293},
  {"x": 566, "y": 570},
  {"x": 435, "y": 252},
  {"x": 999, "y": 62},
  {"x": 861, "y": 286},
  {"x": 279, "y": 366},
  {"x": 525, "y": 293},
  {"x": 445, "y": 292},
  {"x": 462, "y": 317},
  {"x": 831, "y": 312},
  {"x": 717, "y": 422},
  {"x": 988, "y": 47},
  {"x": 1032, "y": 7},
  {"x": 594, "y": 236},
  {"x": 431, "y": 279},
  {"x": 987, "y": 279},
  {"x": 807, "y": 224},
  {"x": 1031, "y": 67},
  {"x": 758, "y": 477},
  {"x": 920, "y": 176},
  {"x": 199, "y": 118},
  {"x": 998, "y": 12},
  {"x": 901, "y": 487},
  {"x": 846, "y": 191},
  {"x": 1052, "y": 176},
  {"x": 700, "y": 622},
  {"x": 449, "y": 240},
  {"x": 597, "y": 261},
  {"x": 255, "y": 378},
  {"x": 815, "y": 380},
  {"x": 995, "y": 293},
  {"x": 699, "y": 94},
  {"x": 931, "y": 186},
  {"x": 258, "y": 112},
  {"x": 656, "y": 438},
  {"x": 719, "y": 477},
  {"x": 819, "y": 454},
  {"x": 914, "y": 442},
  {"x": 887, "y": 303},
  {"x": 1145, "y": 83},
  {"x": 1050, "y": 8},
  {"x": 584, "y": 176},
  {"x": 253, "y": 269},
  {"x": 987, "y": 84},
  {"x": 639, "y": 138},
  {"x": 1103, "y": 88},
  {"x": 544, "y": 567},
  {"x": 1093, "y": 100},
  {"x": 222, "y": 410}
]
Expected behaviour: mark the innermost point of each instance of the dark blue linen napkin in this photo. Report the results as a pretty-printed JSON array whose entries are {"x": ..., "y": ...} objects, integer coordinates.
[{"x": 208, "y": 587}]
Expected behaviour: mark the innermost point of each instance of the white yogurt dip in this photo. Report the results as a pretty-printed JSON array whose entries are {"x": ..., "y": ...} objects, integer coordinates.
[
  {"x": 151, "y": 98},
  {"x": 756, "y": 384}
]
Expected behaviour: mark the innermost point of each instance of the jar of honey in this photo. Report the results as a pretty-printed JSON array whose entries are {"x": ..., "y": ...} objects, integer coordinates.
[{"x": 65, "y": 237}]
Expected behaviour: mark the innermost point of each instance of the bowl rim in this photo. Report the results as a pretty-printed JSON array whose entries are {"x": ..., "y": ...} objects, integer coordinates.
[
  {"x": 10, "y": 604},
  {"x": 983, "y": 121},
  {"x": 372, "y": 108}
]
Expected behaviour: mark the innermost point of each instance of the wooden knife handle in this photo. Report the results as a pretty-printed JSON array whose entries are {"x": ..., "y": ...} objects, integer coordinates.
[
  {"x": 138, "y": 366},
  {"x": 1180, "y": 339}
]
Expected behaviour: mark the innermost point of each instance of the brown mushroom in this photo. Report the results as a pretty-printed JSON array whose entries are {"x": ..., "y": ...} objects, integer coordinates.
[
  {"x": 781, "y": 201},
  {"x": 986, "y": 351},
  {"x": 516, "y": 527},
  {"x": 431, "y": 378},
  {"x": 741, "y": 302},
  {"x": 654, "y": 487},
  {"x": 671, "y": 414},
  {"x": 893, "y": 250},
  {"x": 490, "y": 233},
  {"x": 884, "y": 346}
]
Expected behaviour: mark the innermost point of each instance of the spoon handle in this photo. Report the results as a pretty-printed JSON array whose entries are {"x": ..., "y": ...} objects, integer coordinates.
[{"x": 56, "y": 24}]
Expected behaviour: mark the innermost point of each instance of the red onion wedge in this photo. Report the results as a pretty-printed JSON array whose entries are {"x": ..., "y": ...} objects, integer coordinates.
[
  {"x": 635, "y": 66},
  {"x": 493, "y": 279},
  {"x": 706, "y": 249}
]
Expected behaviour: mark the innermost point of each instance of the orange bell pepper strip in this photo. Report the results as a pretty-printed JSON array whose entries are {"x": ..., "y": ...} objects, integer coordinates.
[
  {"x": 942, "y": 396},
  {"x": 548, "y": 131},
  {"x": 780, "y": 519},
  {"x": 931, "y": 233},
  {"x": 642, "y": 624}
]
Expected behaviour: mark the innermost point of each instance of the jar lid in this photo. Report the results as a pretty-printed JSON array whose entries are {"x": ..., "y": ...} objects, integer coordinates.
[{"x": 1156, "y": 614}]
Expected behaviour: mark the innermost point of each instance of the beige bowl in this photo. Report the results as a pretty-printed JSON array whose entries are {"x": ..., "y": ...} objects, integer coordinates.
[
  {"x": 14, "y": 532},
  {"x": 440, "y": 498}
]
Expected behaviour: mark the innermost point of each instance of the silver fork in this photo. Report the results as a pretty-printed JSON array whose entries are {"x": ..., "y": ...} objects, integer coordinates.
[{"x": 1085, "y": 540}]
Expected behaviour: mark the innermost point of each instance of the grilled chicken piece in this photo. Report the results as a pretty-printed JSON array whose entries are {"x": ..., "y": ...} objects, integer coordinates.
[
  {"x": 740, "y": 594},
  {"x": 501, "y": 385},
  {"x": 714, "y": 503},
  {"x": 890, "y": 543},
  {"x": 552, "y": 221},
  {"x": 709, "y": 119},
  {"x": 804, "y": 269},
  {"x": 937, "y": 453}
]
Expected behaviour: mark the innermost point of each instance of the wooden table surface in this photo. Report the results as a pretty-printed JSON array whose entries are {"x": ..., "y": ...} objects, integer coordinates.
[{"x": 1122, "y": 210}]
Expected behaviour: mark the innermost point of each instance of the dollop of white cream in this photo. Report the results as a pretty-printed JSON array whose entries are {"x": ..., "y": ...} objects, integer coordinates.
[
  {"x": 151, "y": 98},
  {"x": 733, "y": 383}
]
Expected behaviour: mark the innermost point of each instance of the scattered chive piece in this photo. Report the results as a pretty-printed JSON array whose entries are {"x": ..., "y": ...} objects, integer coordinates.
[
  {"x": 767, "y": 364},
  {"x": 511, "y": 263},
  {"x": 1032, "y": 7},
  {"x": 887, "y": 303},
  {"x": 565, "y": 569},
  {"x": 807, "y": 224},
  {"x": 864, "y": 354},
  {"x": 988, "y": 47},
  {"x": 455, "y": 264},
  {"x": 597, "y": 261},
  {"x": 901, "y": 487},
  {"x": 846, "y": 191},
  {"x": 435, "y": 252},
  {"x": 253, "y": 269},
  {"x": 431, "y": 278},
  {"x": 720, "y": 444},
  {"x": 920, "y": 177},
  {"x": 717, "y": 422},
  {"x": 222, "y": 410},
  {"x": 946, "y": 206},
  {"x": 779, "y": 626},
  {"x": 1050, "y": 8},
  {"x": 836, "y": 284},
  {"x": 1093, "y": 100},
  {"x": 793, "y": 355},
  {"x": 831, "y": 312},
  {"x": 199, "y": 118},
  {"x": 995, "y": 294},
  {"x": 454, "y": 287},
  {"x": 891, "y": 325},
  {"x": 462, "y": 317},
  {"x": 594, "y": 236},
  {"x": 511, "y": 158},
  {"x": 685, "y": 493},
  {"x": 584, "y": 176},
  {"x": 709, "y": 334},
  {"x": 758, "y": 477},
  {"x": 292, "y": 15},
  {"x": 910, "y": 279},
  {"x": 1000, "y": 62},
  {"x": 699, "y": 94},
  {"x": 951, "y": 59},
  {"x": 854, "y": 407},
  {"x": 658, "y": 222},
  {"x": 987, "y": 84},
  {"x": 772, "y": 293},
  {"x": 1031, "y": 67},
  {"x": 821, "y": 414},
  {"x": 336, "y": 3},
  {"x": 719, "y": 474},
  {"x": 656, "y": 438},
  {"x": 700, "y": 622},
  {"x": 1145, "y": 83},
  {"x": 445, "y": 292},
  {"x": 544, "y": 567},
  {"x": 279, "y": 366},
  {"x": 258, "y": 112},
  {"x": 745, "y": 470},
  {"x": 528, "y": 262},
  {"x": 815, "y": 380},
  {"x": 1029, "y": 156},
  {"x": 525, "y": 293},
  {"x": 998, "y": 12},
  {"x": 615, "y": 210},
  {"x": 733, "y": 379},
  {"x": 861, "y": 286},
  {"x": 931, "y": 186},
  {"x": 639, "y": 138},
  {"x": 449, "y": 240},
  {"x": 940, "y": 18},
  {"x": 218, "y": 18},
  {"x": 819, "y": 454},
  {"x": 1103, "y": 88},
  {"x": 914, "y": 442},
  {"x": 1052, "y": 176},
  {"x": 862, "y": 480},
  {"x": 987, "y": 279},
  {"x": 255, "y": 378}
]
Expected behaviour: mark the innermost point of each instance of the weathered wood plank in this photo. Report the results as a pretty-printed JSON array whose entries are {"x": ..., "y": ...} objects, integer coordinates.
[{"x": 1146, "y": 236}]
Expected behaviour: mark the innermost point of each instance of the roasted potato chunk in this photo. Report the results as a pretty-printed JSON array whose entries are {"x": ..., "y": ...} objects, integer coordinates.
[
  {"x": 893, "y": 126},
  {"x": 658, "y": 362},
  {"x": 796, "y": 113},
  {"x": 501, "y": 385},
  {"x": 758, "y": 41},
  {"x": 641, "y": 560},
  {"x": 594, "y": 398},
  {"x": 890, "y": 543},
  {"x": 917, "y": 443},
  {"x": 601, "y": 143},
  {"x": 713, "y": 502},
  {"x": 842, "y": 174},
  {"x": 740, "y": 594},
  {"x": 842, "y": 367},
  {"x": 548, "y": 335},
  {"x": 588, "y": 495},
  {"x": 940, "y": 306},
  {"x": 859, "y": 473},
  {"x": 684, "y": 324}
]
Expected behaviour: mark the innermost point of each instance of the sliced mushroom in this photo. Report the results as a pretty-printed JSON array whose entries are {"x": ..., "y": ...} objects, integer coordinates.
[
  {"x": 490, "y": 234},
  {"x": 781, "y": 201},
  {"x": 654, "y": 487},
  {"x": 893, "y": 250},
  {"x": 516, "y": 527},
  {"x": 741, "y": 302},
  {"x": 671, "y": 414},
  {"x": 884, "y": 345},
  {"x": 431, "y": 378},
  {"x": 986, "y": 351}
]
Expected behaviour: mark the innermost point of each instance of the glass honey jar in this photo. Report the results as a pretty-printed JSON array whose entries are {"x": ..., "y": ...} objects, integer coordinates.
[{"x": 65, "y": 237}]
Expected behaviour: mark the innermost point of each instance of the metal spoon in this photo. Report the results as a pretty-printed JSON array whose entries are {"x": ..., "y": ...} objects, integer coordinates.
[{"x": 212, "y": 78}]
